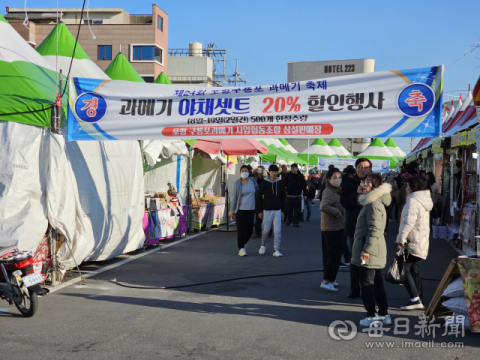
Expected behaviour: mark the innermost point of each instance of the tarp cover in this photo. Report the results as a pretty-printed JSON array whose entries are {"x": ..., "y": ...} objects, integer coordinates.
[
  {"x": 231, "y": 146},
  {"x": 91, "y": 192}
]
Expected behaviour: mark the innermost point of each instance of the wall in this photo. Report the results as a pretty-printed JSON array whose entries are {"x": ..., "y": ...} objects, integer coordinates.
[
  {"x": 161, "y": 37},
  {"x": 308, "y": 70},
  {"x": 110, "y": 34}
]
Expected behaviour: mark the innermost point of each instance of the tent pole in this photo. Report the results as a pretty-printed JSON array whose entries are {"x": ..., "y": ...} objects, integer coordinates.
[
  {"x": 308, "y": 153},
  {"x": 53, "y": 233},
  {"x": 189, "y": 187},
  {"x": 226, "y": 191}
]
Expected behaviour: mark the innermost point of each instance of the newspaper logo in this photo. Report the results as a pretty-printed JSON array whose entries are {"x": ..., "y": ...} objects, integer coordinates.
[
  {"x": 90, "y": 107},
  {"x": 416, "y": 100}
]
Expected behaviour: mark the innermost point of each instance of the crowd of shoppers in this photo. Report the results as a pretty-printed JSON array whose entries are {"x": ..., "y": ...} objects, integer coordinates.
[{"x": 356, "y": 207}]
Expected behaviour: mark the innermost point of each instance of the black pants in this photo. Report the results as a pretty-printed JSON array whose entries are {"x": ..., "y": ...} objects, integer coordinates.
[
  {"x": 293, "y": 209},
  {"x": 413, "y": 282},
  {"x": 346, "y": 250},
  {"x": 258, "y": 226},
  {"x": 354, "y": 274},
  {"x": 332, "y": 245},
  {"x": 373, "y": 291},
  {"x": 244, "y": 226}
]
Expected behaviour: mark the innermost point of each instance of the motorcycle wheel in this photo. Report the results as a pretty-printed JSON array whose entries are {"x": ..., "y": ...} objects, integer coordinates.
[{"x": 28, "y": 307}]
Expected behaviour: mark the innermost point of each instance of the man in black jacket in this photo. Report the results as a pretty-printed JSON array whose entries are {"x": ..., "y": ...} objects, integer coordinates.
[
  {"x": 351, "y": 190},
  {"x": 270, "y": 206},
  {"x": 296, "y": 187}
]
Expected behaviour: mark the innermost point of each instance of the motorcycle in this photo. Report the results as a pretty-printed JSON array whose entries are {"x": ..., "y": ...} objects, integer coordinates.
[{"x": 19, "y": 284}]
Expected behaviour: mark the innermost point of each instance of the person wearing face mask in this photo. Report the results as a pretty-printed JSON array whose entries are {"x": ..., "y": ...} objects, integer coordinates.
[
  {"x": 270, "y": 207},
  {"x": 332, "y": 226},
  {"x": 245, "y": 192},
  {"x": 351, "y": 190}
]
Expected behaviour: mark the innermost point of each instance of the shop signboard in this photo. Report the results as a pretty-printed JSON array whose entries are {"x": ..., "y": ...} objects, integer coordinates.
[
  {"x": 456, "y": 140},
  {"x": 397, "y": 103},
  {"x": 437, "y": 146},
  {"x": 378, "y": 166},
  {"x": 463, "y": 138},
  {"x": 425, "y": 154},
  {"x": 472, "y": 134}
]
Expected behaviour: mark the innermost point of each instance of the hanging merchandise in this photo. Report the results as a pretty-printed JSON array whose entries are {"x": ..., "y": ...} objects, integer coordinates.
[{"x": 165, "y": 216}]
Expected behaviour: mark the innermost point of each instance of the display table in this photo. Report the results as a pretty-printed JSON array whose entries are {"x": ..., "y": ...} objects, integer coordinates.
[
  {"x": 164, "y": 224},
  {"x": 209, "y": 215}
]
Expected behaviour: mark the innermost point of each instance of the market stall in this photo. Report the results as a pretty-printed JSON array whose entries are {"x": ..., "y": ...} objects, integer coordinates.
[
  {"x": 165, "y": 216},
  {"x": 226, "y": 147}
]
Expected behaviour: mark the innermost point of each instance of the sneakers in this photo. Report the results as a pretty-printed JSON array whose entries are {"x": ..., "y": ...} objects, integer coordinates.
[
  {"x": 277, "y": 253},
  {"x": 386, "y": 320},
  {"x": 262, "y": 250},
  {"x": 242, "y": 252},
  {"x": 344, "y": 265},
  {"x": 413, "y": 305},
  {"x": 328, "y": 287},
  {"x": 371, "y": 322},
  {"x": 335, "y": 283}
]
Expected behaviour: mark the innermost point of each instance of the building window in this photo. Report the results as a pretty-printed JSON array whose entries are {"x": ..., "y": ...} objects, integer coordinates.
[
  {"x": 104, "y": 52},
  {"x": 160, "y": 23},
  {"x": 147, "y": 53},
  {"x": 93, "y": 22},
  {"x": 148, "y": 79}
]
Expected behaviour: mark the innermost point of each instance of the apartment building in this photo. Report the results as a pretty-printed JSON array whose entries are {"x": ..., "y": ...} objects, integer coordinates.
[{"x": 142, "y": 38}]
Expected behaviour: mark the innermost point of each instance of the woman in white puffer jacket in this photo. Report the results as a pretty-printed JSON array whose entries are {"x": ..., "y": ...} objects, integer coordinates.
[{"x": 414, "y": 233}]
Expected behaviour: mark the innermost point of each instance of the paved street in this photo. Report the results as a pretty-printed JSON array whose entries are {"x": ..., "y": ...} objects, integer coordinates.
[{"x": 281, "y": 317}]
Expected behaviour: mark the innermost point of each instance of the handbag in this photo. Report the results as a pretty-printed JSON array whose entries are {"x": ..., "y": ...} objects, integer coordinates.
[{"x": 396, "y": 271}]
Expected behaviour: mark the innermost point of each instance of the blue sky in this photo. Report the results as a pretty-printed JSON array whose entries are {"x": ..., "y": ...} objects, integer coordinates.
[{"x": 265, "y": 35}]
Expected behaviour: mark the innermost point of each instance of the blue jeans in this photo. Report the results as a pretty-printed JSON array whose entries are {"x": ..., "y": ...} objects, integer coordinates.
[{"x": 308, "y": 207}]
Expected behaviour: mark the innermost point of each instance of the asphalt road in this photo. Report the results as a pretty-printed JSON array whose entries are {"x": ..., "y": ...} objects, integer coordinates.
[{"x": 274, "y": 317}]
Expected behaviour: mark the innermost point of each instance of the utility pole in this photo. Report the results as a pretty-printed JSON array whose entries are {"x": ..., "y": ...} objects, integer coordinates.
[
  {"x": 411, "y": 144},
  {"x": 236, "y": 75}
]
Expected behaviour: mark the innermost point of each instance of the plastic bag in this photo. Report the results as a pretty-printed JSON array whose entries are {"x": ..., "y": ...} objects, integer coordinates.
[
  {"x": 454, "y": 289},
  {"x": 396, "y": 271},
  {"x": 458, "y": 305}
]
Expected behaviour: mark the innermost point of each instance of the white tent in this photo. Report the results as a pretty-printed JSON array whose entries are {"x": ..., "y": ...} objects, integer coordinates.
[{"x": 395, "y": 149}]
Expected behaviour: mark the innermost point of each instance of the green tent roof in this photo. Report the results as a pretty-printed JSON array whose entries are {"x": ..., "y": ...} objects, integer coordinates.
[
  {"x": 162, "y": 79},
  {"x": 378, "y": 151},
  {"x": 319, "y": 141},
  {"x": 339, "y": 149},
  {"x": 390, "y": 143},
  {"x": 66, "y": 43},
  {"x": 28, "y": 83},
  {"x": 272, "y": 155},
  {"x": 121, "y": 69}
]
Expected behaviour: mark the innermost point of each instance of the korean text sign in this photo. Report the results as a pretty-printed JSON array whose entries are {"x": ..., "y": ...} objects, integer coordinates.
[{"x": 382, "y": 104}]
